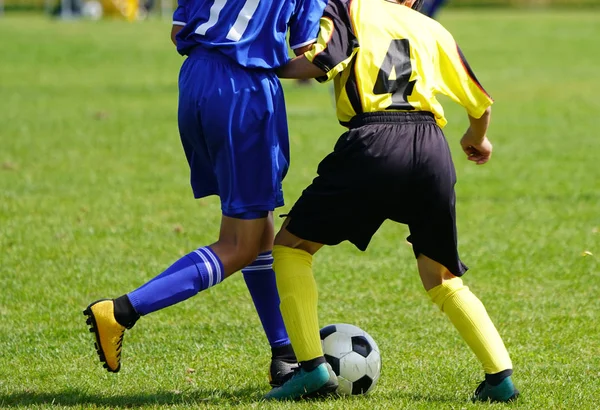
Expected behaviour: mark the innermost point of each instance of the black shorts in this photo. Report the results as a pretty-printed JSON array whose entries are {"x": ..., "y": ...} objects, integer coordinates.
[{"x": 387, "y": 166}]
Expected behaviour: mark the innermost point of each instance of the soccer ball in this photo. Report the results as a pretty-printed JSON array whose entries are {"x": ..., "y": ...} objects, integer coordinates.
[{"x": 353, "y": 356}]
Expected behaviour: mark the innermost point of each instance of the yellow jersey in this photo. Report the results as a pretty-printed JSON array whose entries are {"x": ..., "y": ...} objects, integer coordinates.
[{"x": 384, "y": 56}]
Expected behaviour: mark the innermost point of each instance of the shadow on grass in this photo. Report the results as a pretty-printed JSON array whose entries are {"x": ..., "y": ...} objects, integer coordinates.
[
  {"x": 78, "y": 398},
  {"x": 220, "y": 398}
]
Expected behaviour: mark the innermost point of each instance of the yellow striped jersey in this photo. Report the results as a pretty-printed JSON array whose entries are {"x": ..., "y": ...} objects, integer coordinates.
[{"x": 384, "y": 56}]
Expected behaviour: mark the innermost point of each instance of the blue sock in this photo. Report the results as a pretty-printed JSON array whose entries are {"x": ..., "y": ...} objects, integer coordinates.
[
  {"x": 193, "y": 273},
  {"x": 260, "y": 280}
]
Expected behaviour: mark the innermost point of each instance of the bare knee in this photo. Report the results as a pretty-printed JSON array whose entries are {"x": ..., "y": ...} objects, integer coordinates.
[
  {"x": 286, "y": 238},
  {"x": 240, "y": 242},
  {"x": 235, "y": 255},
  {"x": 247, "y": 253},
  {"x": 432, "y": 273}
]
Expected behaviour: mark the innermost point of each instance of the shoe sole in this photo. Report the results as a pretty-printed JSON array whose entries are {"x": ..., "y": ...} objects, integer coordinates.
[
  {"x": 512, "y": 398},
  {"x": 91, "y": 322},
  {"x": 325, "y": 390}
]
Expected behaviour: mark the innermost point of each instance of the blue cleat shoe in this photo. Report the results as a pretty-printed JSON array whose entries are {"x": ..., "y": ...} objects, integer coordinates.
[
  {"x": 318, "y": 382},
  {"x": 504, "y": 392}
]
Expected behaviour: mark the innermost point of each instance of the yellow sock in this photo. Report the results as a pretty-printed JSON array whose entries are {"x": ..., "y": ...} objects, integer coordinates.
[
  {"x": 298, "y": 293},
  {"x": 468, "y": 315}
]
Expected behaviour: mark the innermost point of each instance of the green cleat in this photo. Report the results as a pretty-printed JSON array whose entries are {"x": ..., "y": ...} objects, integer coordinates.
[
  {"x": 504, "y": 392},
  {"x": 318, "y": 382}
]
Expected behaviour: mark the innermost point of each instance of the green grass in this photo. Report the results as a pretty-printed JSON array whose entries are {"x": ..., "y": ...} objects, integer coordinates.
[{"x": 94, "y": 200}]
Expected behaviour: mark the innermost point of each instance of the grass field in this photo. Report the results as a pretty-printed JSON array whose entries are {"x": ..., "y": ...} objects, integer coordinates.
[{"x": 94, "y": 200}]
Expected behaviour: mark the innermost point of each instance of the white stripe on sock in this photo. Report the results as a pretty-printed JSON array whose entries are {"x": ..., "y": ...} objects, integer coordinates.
[
  {"x": 208, "y": 267},
  {"x": 217, "y": 265},
  {"x": 261, "y": 267}
]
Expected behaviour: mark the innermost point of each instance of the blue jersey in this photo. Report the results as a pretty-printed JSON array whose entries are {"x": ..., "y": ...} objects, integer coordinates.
[{"x": 250, "y": 32}]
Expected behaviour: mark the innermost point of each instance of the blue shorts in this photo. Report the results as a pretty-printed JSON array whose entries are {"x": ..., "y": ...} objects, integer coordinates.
[{"x": 233, "y": 127}]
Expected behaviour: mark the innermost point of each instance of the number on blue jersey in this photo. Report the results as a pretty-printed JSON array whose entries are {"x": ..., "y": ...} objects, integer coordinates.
[{"x": 241, "y": 22}]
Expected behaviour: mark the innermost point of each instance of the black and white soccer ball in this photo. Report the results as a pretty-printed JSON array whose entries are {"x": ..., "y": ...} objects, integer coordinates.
[{"x": 353, "y": 356}]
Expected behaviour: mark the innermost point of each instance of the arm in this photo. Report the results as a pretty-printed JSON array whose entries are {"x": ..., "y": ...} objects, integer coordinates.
[
  {"x": 304, "y": 25},
  {"x": 179, "y": 19},
  {"x": 300, "y": 67},
  {"x": 479, "y": 126},
  {"x": 475, "y": 143},
  {"x": 301, "y": 50},
  {"x": 458, "y": 81},
  {"x": 174, "y": 30},
  {"x": 333, "y": 50}
]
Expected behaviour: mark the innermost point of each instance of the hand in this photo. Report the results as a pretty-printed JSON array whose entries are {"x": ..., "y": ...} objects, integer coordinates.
[{"x": 478, "y": 150}]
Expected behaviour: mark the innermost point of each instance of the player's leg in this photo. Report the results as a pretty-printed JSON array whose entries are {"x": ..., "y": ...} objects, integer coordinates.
[
  {"x": 195, "y": 272},
  {"x": 108, "y": 318},
  {"x": 260, "y": 280},
  {"x": 470, "y": 318},
  {"x": 298, "y": 294},
  {"x": 324, "y": 214},
  {"x": 299, "y": 299},
  {"x": 260, "y": 148},
  {"x": 434, "y": 238},
  {"x": 212, "y": 160}
]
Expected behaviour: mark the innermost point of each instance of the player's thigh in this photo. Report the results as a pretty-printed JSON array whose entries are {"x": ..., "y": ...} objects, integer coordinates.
[
  {"x": 202, "y": 176},
  {"x": 331, "y": 217},
  {"x": 268, "y": 235},
  {"x": 432, "y": 219},
  {"x": 246, "y": 132},
  {"x": 288, "y": 239},
  {"x": 243, "y": 232},
  {"x": 433, "y": 233},
  {"x": 240, "y": 242},
  {"x": 337, "y": 205}
]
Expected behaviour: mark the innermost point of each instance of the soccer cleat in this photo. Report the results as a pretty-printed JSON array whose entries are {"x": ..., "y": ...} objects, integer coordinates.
[
  {"x": 318, "y": 382},
  {"x": 109, "y": 333},
  {"x": 280, "y": 371},
  {"x": 503, "y": 392}
]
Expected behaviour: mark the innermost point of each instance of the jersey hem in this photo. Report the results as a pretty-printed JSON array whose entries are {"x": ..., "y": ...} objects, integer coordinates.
[{"x": 314, "y": 40}]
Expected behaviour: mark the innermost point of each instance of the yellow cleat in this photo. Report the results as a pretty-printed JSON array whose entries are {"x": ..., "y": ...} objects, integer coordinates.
[{"x": 109, "y": 333}]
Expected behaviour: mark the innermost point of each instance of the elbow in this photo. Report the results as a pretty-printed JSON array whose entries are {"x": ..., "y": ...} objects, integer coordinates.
[
  {"x": 486, "y": 114},
  {"x": 301, "y": 50}
]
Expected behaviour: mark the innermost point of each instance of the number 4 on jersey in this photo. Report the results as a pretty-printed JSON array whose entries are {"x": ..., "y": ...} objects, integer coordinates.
[{"x": 398, "y": 60}]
